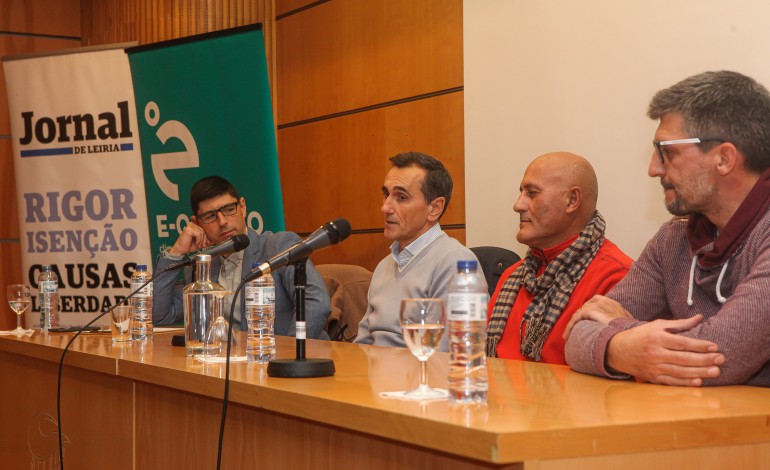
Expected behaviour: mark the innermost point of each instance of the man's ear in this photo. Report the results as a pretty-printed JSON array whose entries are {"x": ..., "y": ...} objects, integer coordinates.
[
  {"x": 574, "y": 199},
  {"x": 727, "y": 159},
  {"x": 436, "y": 208}
]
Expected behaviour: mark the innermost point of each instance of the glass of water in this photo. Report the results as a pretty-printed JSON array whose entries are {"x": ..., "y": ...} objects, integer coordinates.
[
  {"x": 19, "y": 299},
  {"x": 422, "y": 324}
]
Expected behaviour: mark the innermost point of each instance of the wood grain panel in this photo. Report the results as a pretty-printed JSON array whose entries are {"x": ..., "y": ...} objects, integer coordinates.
[
  {"x": 10, "y": 273},
  {"x": 366, "y": 249},
  {"x": 347, "y": 54},
  {"x": 13, "y": 45},
  {"x": 284, "y": 6},
  {"x": 10, "y": 251},
  {"x": 335, "y": 168},
  {"x": 49, "y": 17},
  {"x": 756, "y": 457},
  {"x": 270, "y": 440},
  {"x": 150, "y": 21},
  {"x": 96, "y": 416},
  {"x": 9, "y": 228},
  {"x": 544, "y": 415}
]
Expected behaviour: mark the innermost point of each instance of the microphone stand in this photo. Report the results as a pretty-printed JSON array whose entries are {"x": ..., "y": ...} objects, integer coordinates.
[{"x": 300, "y": 367}]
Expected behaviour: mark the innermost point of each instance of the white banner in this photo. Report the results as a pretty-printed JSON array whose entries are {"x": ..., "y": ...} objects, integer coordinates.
[{"x": 81, "y": 196}]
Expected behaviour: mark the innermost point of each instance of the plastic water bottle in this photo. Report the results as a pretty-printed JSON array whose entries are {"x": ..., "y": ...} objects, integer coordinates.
[
  {"x": 467, "y": 318},
  {"x": 48, "y": 286},
  {"x": 260, "y": 317},
  {"x": 141, "y": 323}
]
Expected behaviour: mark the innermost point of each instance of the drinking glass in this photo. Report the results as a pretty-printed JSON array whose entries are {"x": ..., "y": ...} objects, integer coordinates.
[
  {"x": 422, "y": 324},
  {"x": 19, "y": 299},
  {"x": 120, "y": 323},
  {"x": 215, "y": 343}
]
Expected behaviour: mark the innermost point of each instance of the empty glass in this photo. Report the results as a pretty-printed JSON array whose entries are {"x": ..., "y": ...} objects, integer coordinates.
[{"x": 215, "y": 344}]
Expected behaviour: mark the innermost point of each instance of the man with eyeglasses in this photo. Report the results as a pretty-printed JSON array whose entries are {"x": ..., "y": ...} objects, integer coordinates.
[
  {"x": 220, "y": 213},
  {"x": 695, "y": 308}
]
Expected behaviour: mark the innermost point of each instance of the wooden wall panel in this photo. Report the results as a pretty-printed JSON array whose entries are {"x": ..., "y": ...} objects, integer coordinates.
[
  {"x": 26, "y": 27},
  {"x": 347, "y": 54},
  {"x": 49, "y": 17},
  {"x": 10, "y": 273},
  {"x": 285, "y": 6},
  {"x": 366, "y": 249},
  {"x": 347, "y": 75},
  {"x": 9, "y": 222},
  {"x": 10, "y": 248},
  {"x": 149, "y": 21},
  {"x": 335, "y": 168}
]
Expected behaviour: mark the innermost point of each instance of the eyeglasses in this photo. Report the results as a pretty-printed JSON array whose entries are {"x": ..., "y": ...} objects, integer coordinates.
[
  {"x": 659, "y": 144},
  {"x": 227, "y": 210}
]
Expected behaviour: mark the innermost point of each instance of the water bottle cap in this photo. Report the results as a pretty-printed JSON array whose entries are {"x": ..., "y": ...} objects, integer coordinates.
[
  {"x": 254, "y": 265},
  {"x": 202, "y": 257},
  {"x": 47, "y": 267},
  {"x": 467, "y": 264},
  {"x": 141, "y": 267}
]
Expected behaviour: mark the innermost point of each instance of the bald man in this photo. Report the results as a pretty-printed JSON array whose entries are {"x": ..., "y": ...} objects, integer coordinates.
[{"x": 569, "y": 260}]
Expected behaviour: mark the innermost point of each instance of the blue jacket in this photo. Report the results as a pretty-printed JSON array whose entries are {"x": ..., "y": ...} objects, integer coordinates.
[{"x": 167, "y": 306}]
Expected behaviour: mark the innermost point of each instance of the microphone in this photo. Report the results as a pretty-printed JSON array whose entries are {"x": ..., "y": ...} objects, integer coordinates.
[
  {"x": 328, "y": 234},
  {"x": 234, "y": 243}
]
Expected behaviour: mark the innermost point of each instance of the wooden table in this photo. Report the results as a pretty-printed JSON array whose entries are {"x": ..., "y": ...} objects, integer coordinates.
[{"x": 147, "y": 406}]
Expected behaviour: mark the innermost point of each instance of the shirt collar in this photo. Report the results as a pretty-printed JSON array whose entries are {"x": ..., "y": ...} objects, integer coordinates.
[
  {"x": 549, "y": 254},
  {"x": 236, "y": 257},
  {"x": 406, "y": 255}
]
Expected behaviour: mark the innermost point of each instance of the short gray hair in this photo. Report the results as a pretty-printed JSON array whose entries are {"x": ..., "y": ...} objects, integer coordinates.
[{"x": 722, "y": 104}]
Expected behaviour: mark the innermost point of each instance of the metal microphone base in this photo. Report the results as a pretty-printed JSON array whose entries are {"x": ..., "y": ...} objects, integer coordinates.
[{"x": 300, "y": 368}]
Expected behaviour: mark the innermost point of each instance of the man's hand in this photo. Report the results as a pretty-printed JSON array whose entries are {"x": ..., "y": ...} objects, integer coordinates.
[
  {"x": 192, "y": 238},
  {"x": 601, "y": 309},
  {"x": 655, "y": 353}
]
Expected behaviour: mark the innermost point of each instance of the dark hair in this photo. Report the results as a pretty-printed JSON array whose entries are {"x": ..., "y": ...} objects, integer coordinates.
[
  {"x": 438, "y": 181},
  {"x": 209, "y": 187},
  {"x": 722, "y": 104}
]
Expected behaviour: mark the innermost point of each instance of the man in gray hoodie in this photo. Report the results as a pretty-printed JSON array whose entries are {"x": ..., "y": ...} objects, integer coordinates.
[{"x": 695, "y": 308}]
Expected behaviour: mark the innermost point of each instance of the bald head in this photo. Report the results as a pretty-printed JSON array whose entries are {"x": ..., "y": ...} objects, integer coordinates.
[
  {"x": 568, "y": 170},
  {"x": 557, "y": 200}
]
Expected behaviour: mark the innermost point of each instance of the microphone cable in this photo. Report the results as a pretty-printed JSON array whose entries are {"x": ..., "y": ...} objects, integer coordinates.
[
  {"x": 66, "y": 348},
  {"x": 239, "y": 242},
  {"x": 337, "y": 231},
  {"x": 226, "y": 393}
]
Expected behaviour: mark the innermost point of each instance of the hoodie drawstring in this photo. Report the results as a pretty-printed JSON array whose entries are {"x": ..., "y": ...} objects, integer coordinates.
[
  {"x": 720, "y": 298},
  {"x": 692, "y": 280},
  {"x": 719, "y": 283}
]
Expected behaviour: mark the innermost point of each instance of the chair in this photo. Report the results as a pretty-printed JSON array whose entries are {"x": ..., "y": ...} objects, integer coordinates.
[
  {"x": 348, "y": 287},
  {"x": 494, "y": 260}
]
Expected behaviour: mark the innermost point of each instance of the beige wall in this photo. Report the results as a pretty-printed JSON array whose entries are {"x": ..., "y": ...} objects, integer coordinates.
[{"x": 565, "y": 75}]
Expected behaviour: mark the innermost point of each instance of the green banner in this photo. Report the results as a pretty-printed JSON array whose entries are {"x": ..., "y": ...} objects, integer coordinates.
[{"x": 203, "y": 107}]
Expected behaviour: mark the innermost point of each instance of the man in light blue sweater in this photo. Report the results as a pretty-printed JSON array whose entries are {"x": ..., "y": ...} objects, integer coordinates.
[{"x": 423, "y": 258}]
